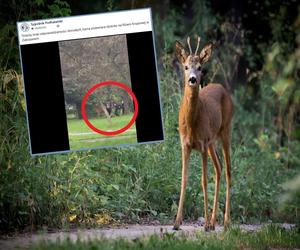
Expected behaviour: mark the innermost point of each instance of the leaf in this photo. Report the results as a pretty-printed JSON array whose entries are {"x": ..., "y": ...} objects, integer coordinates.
[
  {"x": 72, "y": 217},
  {"x": 241, "y": 207},
  {"x": 293, "y": 184},
  {"x": 54, "y": 178},
  {"x": 153, "y": 212},
  {"x": 103, "y": 199},
  {"x": 116, "y": 187},
  {"x": 39, "y": 2},
  {"x": 281, "y": 86},
  {"x": 112, "y": 187},
  {"x": 103, "y": 219}
]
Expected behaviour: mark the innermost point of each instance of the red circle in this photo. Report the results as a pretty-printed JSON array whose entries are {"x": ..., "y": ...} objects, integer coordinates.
[{"x": 101, "y": 84}]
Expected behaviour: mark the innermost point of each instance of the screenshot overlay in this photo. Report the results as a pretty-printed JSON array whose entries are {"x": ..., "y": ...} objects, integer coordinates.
[{"x": 90, "y": 81}]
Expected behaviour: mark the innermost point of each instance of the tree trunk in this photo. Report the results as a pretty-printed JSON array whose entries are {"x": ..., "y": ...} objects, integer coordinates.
[
  {"x": 78, "y": 110},
  {"x": 106, "y": 114}
]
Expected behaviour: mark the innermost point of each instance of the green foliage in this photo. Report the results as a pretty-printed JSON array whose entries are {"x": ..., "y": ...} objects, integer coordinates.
[
  {"x": 21, "y": 10},
  {"x": 281, "y": 72},
  {"x": 258, "y": 170},
  {"x": 110, "y": 5}
]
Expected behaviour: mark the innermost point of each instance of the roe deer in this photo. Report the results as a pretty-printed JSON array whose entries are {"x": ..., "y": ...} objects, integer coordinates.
[{"x": 204, "y": 117}]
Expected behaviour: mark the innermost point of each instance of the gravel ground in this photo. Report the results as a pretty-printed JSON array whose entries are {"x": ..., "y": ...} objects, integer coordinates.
[{"x": 129, "y": 232}]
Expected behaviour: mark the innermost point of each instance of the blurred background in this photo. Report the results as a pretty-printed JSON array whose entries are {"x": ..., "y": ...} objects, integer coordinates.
[{"x": 256, "y": 56}]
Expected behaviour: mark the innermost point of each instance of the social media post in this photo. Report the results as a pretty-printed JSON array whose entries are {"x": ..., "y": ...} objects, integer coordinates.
[
  {"x": 77, "y": 27},
  {"x": 91, "y": 91}
]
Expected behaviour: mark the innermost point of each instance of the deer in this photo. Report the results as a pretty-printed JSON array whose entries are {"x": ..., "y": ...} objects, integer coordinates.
[{"x": 205, "y": 116}]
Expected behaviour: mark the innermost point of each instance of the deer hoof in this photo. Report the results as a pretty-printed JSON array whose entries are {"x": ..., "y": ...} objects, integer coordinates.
[
  {"x": 177, "y": 223},
  {"x": 226, "y": 225},
  {"x": 176, "y": 227},
  {"x": 206, "y": 228}
]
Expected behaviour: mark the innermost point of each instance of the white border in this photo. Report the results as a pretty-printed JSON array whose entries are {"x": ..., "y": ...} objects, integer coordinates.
[{"x": 86, "y": 26}]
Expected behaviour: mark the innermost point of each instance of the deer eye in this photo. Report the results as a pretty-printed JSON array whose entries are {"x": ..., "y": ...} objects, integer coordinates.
[
  {"x": 199, "y": 68},
  {"x": 186, "y": 67}
]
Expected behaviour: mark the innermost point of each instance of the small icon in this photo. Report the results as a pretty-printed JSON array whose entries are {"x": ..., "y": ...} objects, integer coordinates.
[{"x": 25, "y": 27}]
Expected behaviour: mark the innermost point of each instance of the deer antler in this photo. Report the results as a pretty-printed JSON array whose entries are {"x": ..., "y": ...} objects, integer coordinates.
[
  {"x": 198, "y": 42},
  {"x": 188, "y": 42}
]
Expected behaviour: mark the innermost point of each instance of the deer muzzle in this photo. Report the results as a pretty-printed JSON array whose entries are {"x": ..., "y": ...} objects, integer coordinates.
[{"x": 192, "y": 80}]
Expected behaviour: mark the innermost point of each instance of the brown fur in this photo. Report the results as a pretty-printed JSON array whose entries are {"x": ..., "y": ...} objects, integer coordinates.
[{"x": 205, "y": 116}]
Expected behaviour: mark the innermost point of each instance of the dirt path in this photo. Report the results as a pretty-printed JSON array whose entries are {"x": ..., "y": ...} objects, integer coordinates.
[{"x": 128, "y": 232}]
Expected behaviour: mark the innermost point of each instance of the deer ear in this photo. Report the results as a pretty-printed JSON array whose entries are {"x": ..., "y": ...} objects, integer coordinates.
[
  {"x": 205, "y": 53},
  {"x": 180, "y": 52}
]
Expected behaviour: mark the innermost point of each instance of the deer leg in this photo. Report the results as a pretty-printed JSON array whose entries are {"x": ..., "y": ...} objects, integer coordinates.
[
  {"x": 186, "y": 151},
  {"x": 217, "y": 167},
  {"x": 226, "y": 152},
  {"x": 204, "y": 188}
]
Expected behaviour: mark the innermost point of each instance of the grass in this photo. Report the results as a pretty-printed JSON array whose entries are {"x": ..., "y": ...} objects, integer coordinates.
[
  {"x": 100, "y": 123},
  {"x": 268, "y": 238},
  {"x": 81, "y": 136},
  {"x": 112, "y": 141}
]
